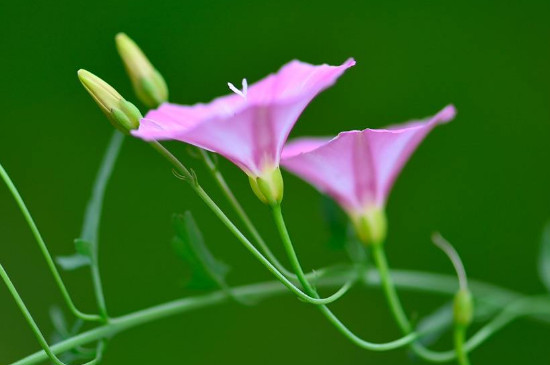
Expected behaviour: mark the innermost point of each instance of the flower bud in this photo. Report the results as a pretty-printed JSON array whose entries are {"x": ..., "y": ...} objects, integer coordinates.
[
  {"x": 268, "y": 187},
  {"x": 463, "y": 308},
  {"x": 371, "y": 226},
  {"x": 148, "y": 83},
  {"x": 122, "y": 114}
]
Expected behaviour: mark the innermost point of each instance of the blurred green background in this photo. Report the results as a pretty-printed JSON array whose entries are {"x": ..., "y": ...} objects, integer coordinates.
[{"x": 483, "y": 180}]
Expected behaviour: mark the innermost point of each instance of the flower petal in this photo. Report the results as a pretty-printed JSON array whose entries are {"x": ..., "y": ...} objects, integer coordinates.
[
  {"x": 358, "y": 168},
  {"x": 248, "y": 130}
]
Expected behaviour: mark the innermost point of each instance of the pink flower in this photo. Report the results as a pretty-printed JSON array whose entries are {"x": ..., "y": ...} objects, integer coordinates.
[
  {"x": 250, "y": 126},
  {"x": 358, "y": 168}
]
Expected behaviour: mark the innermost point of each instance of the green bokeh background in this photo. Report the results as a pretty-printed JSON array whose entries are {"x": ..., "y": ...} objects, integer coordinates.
[{"x": 483, "y": 180}]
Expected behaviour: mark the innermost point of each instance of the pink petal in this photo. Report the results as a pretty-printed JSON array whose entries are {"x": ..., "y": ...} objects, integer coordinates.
[
  {"x": 248, "y": 131},
  {"x": 358, "y": 168}
]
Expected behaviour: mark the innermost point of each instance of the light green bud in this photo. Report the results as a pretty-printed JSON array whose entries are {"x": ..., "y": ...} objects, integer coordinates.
[
  {"x": 463, "y": 308},
  {"x": 122, "y": 114},
  {"x": 269, "y": 187},
  {"x": 148, "y": 83},
  {"x": 371, "y": 226}
]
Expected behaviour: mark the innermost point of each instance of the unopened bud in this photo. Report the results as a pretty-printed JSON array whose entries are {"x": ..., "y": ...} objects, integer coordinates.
[
  {"x": 463, "y": 308},
  {"x": 148, "y": 83},
  {"x": 123, "y": 115},
  {"x": 268, "y": 187},
  {"x": 371, "y": 226}
]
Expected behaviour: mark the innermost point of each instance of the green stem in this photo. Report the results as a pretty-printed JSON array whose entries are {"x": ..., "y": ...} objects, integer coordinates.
[
  {"x": 218, "y": 177},
  {"x": 30, "y": 320},
  {"x": 190, "y": 177},
  {"x": 389, "y": 288},
  {"x": 295, "y": 263},
  {"x": 409, "y": 280},
  {"x": 92, "y": 218},
  {"x": 461, "y": 354},
  {"x": 398, "y": 311},
  {"x": 44, "y": 249},
  {"x": 98, "y": 289},
  {"x": 523, "y": 306}
]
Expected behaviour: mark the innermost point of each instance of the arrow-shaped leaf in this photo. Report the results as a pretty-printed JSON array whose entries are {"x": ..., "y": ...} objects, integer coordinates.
[{"x": 206, "y": 270}]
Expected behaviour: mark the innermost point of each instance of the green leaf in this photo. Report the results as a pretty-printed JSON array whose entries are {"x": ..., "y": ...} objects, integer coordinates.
[
  {"x": 206, "y": 271},
  {"x": 436, "y": 323},
  {"x": 92, "y": 216},
  {"x": 84, "y": 248},
  {"x": 63, "y": 331},
  {"x": 544, "y": 257},
  {"x": 337, "y": 223},
  {"x": 73, "y": 262},
  {"x": 355, "y": 248},
  {"x": 86, "y": 245}
]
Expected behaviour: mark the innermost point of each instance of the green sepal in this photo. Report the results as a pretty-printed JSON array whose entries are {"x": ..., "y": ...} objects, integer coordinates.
[{"x": 463, "y": 308}]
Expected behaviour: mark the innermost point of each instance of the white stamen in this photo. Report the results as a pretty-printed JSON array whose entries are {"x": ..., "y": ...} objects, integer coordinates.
[
  {"x": 237, "y": 91},
  {"x": 450, "y": 251},
  {"x": 245, "y": 87}
]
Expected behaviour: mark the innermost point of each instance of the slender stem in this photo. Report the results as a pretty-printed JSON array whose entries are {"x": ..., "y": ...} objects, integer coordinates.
[
  {"x": 409, "y": 280},
  {"x": 461, "y": 354},
  {"x": 30, "y": 320},
  {"x": 189, "y": 176},
  {"x": 218, "y": 177},
  {"x": 389, "y": 288},
  {"x": 295, "y": 263},
  {"x": 44, "y": 249},
  {"x": 98, "y": 289},
  {"x": 92, "y": 218},
  {"x": 398, "y": 311},
  {"x": 526, "y": 306}
]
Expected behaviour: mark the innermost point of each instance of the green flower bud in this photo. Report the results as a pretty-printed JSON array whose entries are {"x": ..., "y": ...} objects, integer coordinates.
[
  {"x": 148, "y": 83},
  {"x": 122, "y": 114},
  {"x": 463, "y": 308},
  {"x": 371, "y": 226},
  {"x": 268, "y": 187}
]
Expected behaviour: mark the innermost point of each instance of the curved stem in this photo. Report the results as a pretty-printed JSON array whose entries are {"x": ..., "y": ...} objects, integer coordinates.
[
  {"x": 294, "y": 261},
  {"x": 189, "y": 176},
  {"x": 461, "y": 354},
  {"x": 30, "y": 320},
  {"x": 218, "y": 177},
  {"x": 92, "y": 217},
  {"x": 389, "y": 289},
  {"x": 409, "y": 280},
  {"x": 399, "y": 313},
  {"x": 44, "y": 249},
  {"x": 521, "y": 307}
]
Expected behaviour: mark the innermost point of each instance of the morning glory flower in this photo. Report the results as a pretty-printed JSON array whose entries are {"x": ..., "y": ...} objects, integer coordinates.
[
  {"x": 358, "y": 168},
  {"x": 249, "y": 126}
]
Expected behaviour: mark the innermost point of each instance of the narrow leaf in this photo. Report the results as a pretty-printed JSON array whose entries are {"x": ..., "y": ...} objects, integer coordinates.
[
  {"x": 355, "y": 248},
  {"x": 90, "y": 227},
  {"x": 73, "y": 262},
  {"x": 336, "y": 221},
  {"x": 61, "y": 330},
  {"x": 544, "y": 257},
  {"x": 206, "y": 270},
  {"x": 436, "y": 323}
]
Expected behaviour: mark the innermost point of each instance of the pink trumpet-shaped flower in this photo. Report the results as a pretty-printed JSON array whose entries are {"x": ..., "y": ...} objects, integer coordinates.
[
  {"x": 250, "y": 126},
  {"x": 358, "y": 168}
]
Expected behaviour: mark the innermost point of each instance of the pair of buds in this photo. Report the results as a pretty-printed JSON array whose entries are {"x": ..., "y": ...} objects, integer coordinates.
[{"x": 148, "y": 84}]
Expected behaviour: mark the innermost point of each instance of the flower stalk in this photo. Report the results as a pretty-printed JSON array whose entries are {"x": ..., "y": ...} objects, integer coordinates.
[{"x": 44, "y": 249}]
